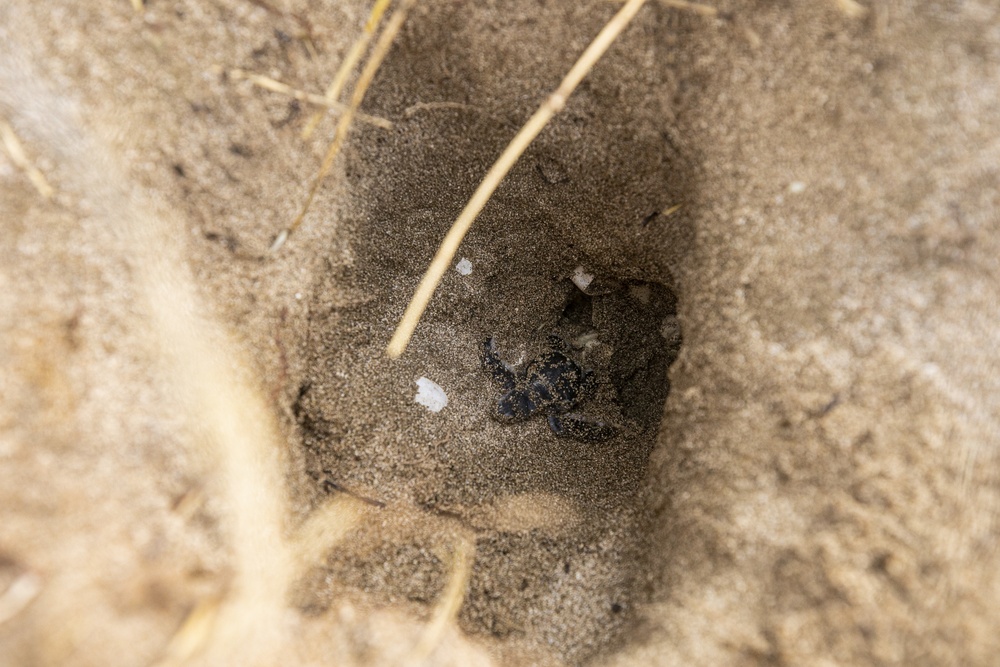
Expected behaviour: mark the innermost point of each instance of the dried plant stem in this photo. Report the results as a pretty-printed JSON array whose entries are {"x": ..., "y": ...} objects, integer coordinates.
[
  {"x": 346, "y": 67},
  {"x": 379, "y": 53},
  {"x": 20, "y": 158},
  {"x": 326, "y": 527},
  {"x": 451, "y": 599},
  {"x": 19, "y": 595},
  {"x": 193, "y": 634},
  {"x": 686, "y": 5},
  {"x": 696, "y": 7},
  {"x": 553, "y": 105},
  {"x": 276, "y": 86}
]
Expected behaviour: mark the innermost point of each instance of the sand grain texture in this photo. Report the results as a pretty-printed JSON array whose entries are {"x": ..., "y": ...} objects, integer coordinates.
[{"x": 820, "y": 486}]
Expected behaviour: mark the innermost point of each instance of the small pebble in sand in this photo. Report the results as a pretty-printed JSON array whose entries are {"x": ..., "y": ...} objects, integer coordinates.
[
  {"x": 796, "y": 187},
  {"x": 581, "y": 278},
  {"x": 430, "y": 395},
  {"x": 464, "y": 267}
]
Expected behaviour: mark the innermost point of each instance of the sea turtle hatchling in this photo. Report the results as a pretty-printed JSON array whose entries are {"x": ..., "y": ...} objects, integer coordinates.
[{"x": 553, "y": 385}]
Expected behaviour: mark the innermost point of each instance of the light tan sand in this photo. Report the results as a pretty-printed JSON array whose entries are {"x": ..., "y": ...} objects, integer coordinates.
[{"x": 820, "y": 487}]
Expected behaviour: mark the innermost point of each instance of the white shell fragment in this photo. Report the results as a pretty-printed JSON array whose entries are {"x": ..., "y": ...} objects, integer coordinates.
[
  {"x": 430, "y": 395},
  {"x": 581, "y": 278},
  {"x": 464, "y": 267}
]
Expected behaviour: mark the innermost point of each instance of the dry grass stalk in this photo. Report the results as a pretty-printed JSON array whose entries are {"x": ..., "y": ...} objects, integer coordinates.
[
  {"x": 192, "y": 635},
  {"x": 696, "y": 7},
  {"x": 243, "y": 448},
  {"x": 686, "y": 5},
  {"x": 276, "y": 86},
  {"x": 325, "y": 527},
  {"x": 350, "y": 62},
  {"x": 379, "y": 53},
  {"x": 553, "y": 105},
  {"x": 19, "y": 595},
  {"x": 451, "y": 600},
  {"x": 239, "y": 443},
  {"x": 17, "y": 155}
]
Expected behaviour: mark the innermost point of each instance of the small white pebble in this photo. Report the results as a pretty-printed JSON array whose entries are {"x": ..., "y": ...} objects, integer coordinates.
[
  {"x": 430, "y": 395},
  {"x": 582, "y": 279},
  {"x": 796, "y": 187},
  {"x": 464, "y": 267}
]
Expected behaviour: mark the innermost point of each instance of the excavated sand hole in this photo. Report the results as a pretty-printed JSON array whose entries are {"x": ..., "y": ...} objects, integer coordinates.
[{"x": 558, "y": 523}]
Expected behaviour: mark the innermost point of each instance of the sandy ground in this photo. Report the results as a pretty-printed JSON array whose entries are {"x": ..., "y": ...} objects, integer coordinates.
[{"x": 206, "y": 455}]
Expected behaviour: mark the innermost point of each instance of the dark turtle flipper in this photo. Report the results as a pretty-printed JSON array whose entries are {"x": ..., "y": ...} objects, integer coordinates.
[
  {"x": 501, "y": 375},
  {"x": 588, "y": 386},
  {"x": 581, "y": 428}
]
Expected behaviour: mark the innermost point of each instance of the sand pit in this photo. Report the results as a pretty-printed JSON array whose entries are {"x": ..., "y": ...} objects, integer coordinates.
[{"x": 770, "y": 230}]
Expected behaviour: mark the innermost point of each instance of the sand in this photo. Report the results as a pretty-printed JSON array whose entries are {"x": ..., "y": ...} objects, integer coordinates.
[{"x": 789, "y": 211}]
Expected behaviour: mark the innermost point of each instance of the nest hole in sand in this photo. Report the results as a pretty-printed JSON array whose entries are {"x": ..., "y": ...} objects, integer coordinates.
[{"x": 559, "y": 523}]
